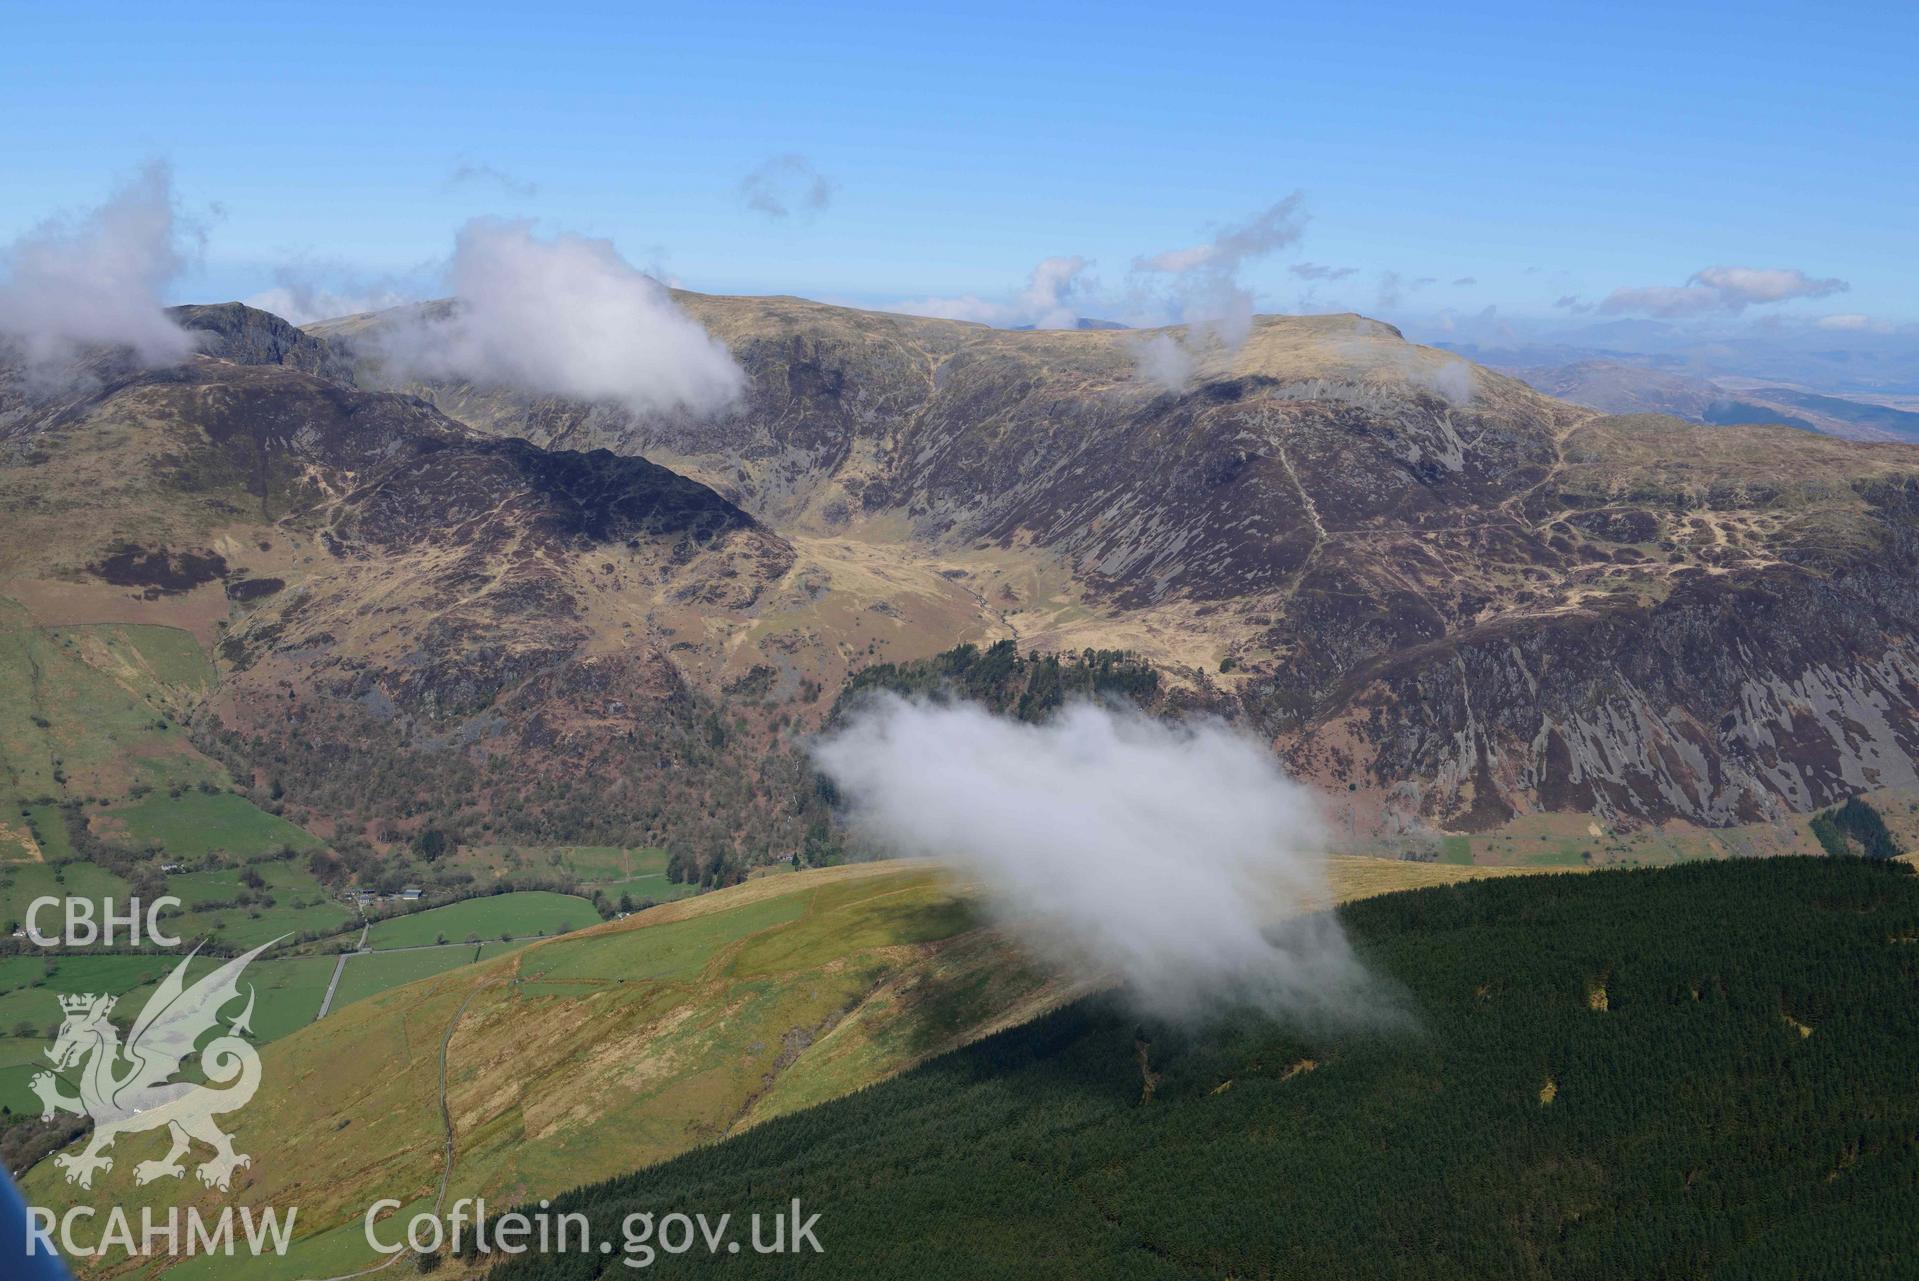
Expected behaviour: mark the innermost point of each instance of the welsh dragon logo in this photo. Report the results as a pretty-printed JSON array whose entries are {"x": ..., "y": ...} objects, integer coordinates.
[{"x": 127, "y": 1089}]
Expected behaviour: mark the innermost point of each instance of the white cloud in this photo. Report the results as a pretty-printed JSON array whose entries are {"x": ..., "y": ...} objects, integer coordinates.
[
  {"x": 566, "y": 317},
  {"x": 1050, "y": 292},
  {"x": 969, "y": 307},
  {"x": 1050, "y": 299},
  {"x": 1762, "y": 285},
  {"x": 1452, "y": 381},
  {"x": 1663, "y": 300},
  {"x": 1176, "y": 858},
  {"x": 1162, "y": 361},
  {"x": 1177, "y": 261},
  {"x": 97, "y": 279},
  {"x": 1200, "y": 286},
  {"x": 1274, "y": 227},
  {"x": 1376, "y": 348},
  {"x": 1728, "y": 289},
  {"x": 1204, "y": 288},
  {"x": 785, "y": 185},
  {"x": 1197, "y": 285},
  {"x": 1394, "y": 287}
]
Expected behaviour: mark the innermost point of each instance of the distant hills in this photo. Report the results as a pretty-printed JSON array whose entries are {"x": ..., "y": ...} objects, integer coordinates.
[
  {"x": 1864, "y": 359},
  {"x": 1084, "y": 322},
  {"x": 1622, "y": 388}
]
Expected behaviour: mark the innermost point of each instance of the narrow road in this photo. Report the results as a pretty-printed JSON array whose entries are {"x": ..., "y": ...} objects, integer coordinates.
[
  {"x": 326, "y": 1002},
  {"x": 339, "y": 968}
]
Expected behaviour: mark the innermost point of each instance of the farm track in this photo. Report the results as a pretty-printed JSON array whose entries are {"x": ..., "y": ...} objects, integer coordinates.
[
  {"x": 449, "y": 1145},
  {"x": 339, "y": 968}
]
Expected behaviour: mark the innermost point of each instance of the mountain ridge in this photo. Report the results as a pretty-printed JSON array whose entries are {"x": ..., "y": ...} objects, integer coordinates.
[
  {"x": 1340, "y": 518},
  {"x": 1438, "y": 592}
]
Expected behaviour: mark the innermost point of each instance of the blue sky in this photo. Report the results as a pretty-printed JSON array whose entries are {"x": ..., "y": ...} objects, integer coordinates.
[{"x": 1545, "y": 151}]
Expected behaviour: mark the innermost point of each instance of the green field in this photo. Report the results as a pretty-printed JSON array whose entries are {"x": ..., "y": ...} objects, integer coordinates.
[
  {"x": 300, "y": 903},
  {"x": 49, "y": 827},
  {"x": 602, "y": 864},
  {"x": 522, "y": 914},
  {"x": 638, "y": 871},
  {"x": 372, "y": 973},
  {"x": 195, "y": 824},
  {"x": 20, "y": 1058},
  {"x": 163, "y": 663},
  {"x": 290, "y": 991},
  {"x": 90, "y": 715},
  {"x": 93, "y": 711},
  {"x": 30, "y": 984},
  {"x": 22, "y": 883},
  {"x": 580, "y": 1056},
  {"x": 288, "y": 996},
  {"x": 496, "y": 948},
  {"x": 335, "y": 1252},
  {"x": 652, "y": 887}
]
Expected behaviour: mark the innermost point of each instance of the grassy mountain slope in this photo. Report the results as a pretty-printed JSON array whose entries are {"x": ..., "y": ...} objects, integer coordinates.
[
  {"x": 632, "y": 1042},
  {"x": 102, "y": 786},
  {"x": 92, "y": 711},
  {"x": 635, "y": 1040},
  {"x": 1696, "y": 1072}
]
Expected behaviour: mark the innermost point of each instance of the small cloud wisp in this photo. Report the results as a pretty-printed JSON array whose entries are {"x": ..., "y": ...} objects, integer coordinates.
[
  {"x": 1050, "y": 299},
  {"x": 782, "y": 186}
]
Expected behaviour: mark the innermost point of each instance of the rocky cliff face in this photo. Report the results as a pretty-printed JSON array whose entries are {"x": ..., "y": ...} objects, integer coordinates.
[
  {"x": 1723, "y": 703},
  {"x": 247, "y": 336},
  {"x": 1429, "y": 584}
]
